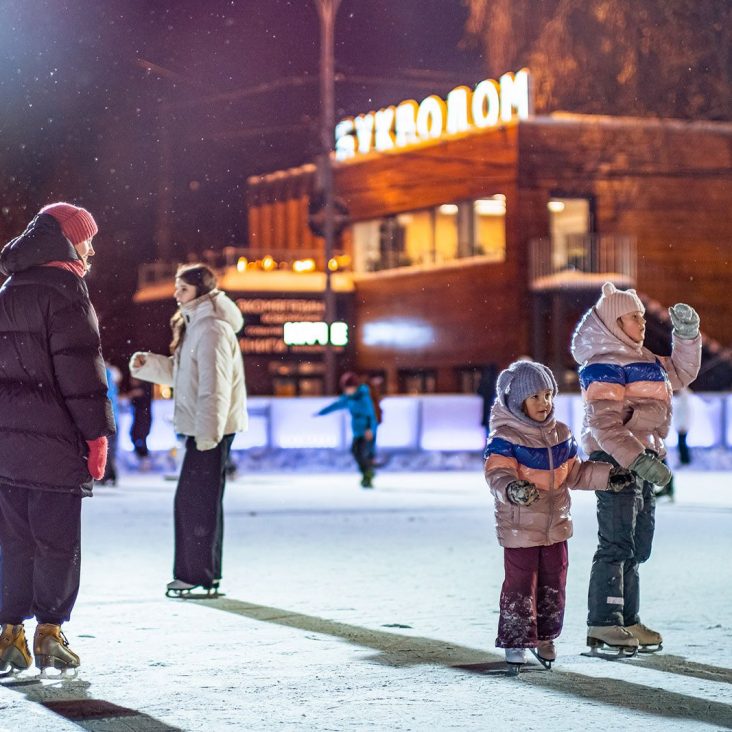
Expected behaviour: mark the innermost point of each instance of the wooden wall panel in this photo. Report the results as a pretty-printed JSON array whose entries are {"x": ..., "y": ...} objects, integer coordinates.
[
  {"x": 471, "y": 315},
  {"x": 426, "y": 176},
  {"x": 668, "y": 183}
]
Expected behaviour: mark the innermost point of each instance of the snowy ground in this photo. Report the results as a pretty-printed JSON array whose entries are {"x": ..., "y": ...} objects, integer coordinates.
[{"x": 355, "y": 610}]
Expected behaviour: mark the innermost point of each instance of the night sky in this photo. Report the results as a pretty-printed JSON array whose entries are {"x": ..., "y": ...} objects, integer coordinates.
[
  {"x": 87, "y": 84},
  {"x": 87, "y": 87}
]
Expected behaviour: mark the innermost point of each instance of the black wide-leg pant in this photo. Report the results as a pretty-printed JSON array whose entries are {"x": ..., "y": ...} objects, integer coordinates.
[
  {"x": 40, "y": 554},
  {"x": 199, "y": 513}
]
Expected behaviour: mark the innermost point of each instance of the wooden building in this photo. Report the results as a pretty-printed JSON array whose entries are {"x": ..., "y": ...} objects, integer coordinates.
[
  {"x": 479, "y": 247},
  {"x": 479, "y": 232}
]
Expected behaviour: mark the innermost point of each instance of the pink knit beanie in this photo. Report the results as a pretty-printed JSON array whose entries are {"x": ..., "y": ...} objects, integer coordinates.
[
  {"x": 614, "y": 303},
  {"x": 77, "y": 224}
]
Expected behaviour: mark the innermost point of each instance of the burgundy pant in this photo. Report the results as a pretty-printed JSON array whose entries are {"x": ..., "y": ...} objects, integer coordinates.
[{"x": 533, "y": 595}]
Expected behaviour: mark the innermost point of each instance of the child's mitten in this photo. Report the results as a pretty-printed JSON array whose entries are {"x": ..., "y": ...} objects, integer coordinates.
[
  {"x": 522, "y": 492},
  {"x": 619, "y": 479},
  {"x": 650, "y": 468},
  {"x": 685, "y": 321}
]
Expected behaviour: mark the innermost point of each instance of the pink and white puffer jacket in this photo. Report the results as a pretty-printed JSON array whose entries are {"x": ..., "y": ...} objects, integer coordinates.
[
  {"x": 627, "y": 389},
  {"x": 544, "y": 453}
]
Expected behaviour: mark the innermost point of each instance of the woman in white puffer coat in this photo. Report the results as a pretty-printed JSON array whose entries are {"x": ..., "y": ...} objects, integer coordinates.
[{"x": 207, "y": 375}]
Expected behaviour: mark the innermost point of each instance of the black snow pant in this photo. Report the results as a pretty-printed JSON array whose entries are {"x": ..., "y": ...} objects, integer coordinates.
[
  {"x": 199, "y": 513},
  {"x": 362, "y": 451},
  {"x": 40, "y": 552},
  {"x": 625, "y": 525}
]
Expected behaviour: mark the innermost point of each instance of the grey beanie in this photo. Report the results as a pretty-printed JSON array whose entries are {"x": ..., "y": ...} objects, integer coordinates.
[{"x": 522, "y": 379}]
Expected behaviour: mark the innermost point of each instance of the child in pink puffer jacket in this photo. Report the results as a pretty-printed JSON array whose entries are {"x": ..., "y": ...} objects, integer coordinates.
[
  {"x": 531, "y": 463},
  {"x": 627, "y": 395}
]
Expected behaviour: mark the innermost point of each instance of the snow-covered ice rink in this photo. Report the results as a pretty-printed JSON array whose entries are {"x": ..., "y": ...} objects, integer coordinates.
[{"x": 352, "y": 610}]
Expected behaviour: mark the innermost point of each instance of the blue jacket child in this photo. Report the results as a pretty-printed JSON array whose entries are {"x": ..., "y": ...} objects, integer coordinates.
[{"x": 356, "y": 398}]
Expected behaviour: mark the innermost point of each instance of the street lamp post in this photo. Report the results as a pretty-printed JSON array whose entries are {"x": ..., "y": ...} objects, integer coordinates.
[{"x": 327, "y": 10}]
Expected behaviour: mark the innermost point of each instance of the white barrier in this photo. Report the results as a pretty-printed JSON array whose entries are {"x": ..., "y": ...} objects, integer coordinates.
[{"x": 444, "y": 422}]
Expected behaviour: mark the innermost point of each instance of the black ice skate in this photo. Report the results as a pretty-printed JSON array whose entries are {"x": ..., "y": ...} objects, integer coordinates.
[
  {"x": 186, "y": 591},
  {"x": 610, "y": 642}
]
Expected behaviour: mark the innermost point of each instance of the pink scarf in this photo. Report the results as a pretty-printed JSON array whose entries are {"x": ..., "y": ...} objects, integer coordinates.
[{"x": 76, "y": 266}]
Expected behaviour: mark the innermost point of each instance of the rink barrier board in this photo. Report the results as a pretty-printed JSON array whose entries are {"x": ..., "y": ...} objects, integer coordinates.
[{"x": 436, "y": 422}]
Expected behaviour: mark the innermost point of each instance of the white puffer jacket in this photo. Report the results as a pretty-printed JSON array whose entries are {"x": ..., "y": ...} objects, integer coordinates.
[{"x": 207, "y": 372}]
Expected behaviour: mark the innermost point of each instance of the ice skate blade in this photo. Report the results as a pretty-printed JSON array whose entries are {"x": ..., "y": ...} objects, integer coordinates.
[
  {"x": 195, "y": 594},
  {"x": 53, "y": 669},
  {"x": 10, "y": 672},
  {"x": 613, "y": 653},
  {"x": 514, "y": 668},
  {"x": 545, "y": 662},
  {"x": 650, "y": 648}
]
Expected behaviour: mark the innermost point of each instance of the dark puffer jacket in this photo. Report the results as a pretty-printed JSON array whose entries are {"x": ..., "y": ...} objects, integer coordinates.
[{"x": 53, "y": 385}]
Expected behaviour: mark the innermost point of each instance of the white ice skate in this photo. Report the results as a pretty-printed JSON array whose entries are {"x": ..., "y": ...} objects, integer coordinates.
[
  {"x": 515, "y": 659},
  {"x": 621, "y": 642},
  {"x": 186, "y": 591}
]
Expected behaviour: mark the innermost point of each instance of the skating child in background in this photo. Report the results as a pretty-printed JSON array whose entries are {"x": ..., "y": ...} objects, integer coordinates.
[
  {"x": 627, "y": 395},
  {"x": 356, "y": 398},
  {"x": 531, "y": 463}
]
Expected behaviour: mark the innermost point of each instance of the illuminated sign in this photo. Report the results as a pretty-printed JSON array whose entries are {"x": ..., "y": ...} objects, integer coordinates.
[
  {"x": 283, "y": 325},
  {"x": 489, "y": 104},
  {"x": 308, "y": 333}
]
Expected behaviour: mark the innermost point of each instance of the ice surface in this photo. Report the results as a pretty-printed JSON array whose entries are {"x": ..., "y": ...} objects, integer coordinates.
[{"x": 374, "y": 610}]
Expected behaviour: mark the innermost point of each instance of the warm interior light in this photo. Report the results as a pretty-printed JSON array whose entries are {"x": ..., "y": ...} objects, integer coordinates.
[
  {"x": 448, "y": 209},
  {"x": 333, "y": 264},
  {"x": 241, "y": 264},
  {"x": 493, "y": 206},
  {"x": 303, "y": 265},
  {"x": 268, "y": 263},
  {"x": 555, "y": 206}
]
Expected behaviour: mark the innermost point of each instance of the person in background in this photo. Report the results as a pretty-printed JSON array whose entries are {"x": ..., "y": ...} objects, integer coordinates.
[
  {"x": 357, "y": 400},
  {"x": 140, "y": 396},
  {"x": 54, "y": 423},
  {"x": 206, "y": 371},
  {"x": 627, "y": 392},
  {"x": 114, "y": 376},
  {"x": 487, "y": 392},
  {"x": 682, "y": 423},
  {"x": 376, "y": 392},
  {"x": 531, "y": 463}
]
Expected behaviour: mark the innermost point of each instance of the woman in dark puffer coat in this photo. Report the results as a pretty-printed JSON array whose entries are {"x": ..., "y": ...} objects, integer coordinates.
[{"x": 54, "y": 419}]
